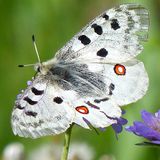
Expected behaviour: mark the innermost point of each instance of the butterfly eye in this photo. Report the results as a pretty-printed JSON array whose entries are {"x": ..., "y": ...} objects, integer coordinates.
[{"x": 38, "y": 69}]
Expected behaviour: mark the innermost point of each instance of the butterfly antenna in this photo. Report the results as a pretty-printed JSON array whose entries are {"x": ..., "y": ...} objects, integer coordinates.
[
  {"x": 25, "y": 65},
  {"x": 35, "y": 47}
]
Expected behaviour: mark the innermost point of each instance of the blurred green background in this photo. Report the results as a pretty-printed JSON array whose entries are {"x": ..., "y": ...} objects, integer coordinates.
[{"x": 54, "y": 22}]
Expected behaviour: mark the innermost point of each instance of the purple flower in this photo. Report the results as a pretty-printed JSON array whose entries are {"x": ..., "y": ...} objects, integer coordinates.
[
  {"x": 118, "y": 127},
  {"x": 149, "y": 128}
]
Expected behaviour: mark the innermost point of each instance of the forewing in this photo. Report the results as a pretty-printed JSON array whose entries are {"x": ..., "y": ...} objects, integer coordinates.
[
  {"x": 41, "y": 110},
  {"x": 114, "y": 36}
]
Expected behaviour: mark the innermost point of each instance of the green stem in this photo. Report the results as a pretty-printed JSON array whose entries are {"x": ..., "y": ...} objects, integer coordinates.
[{"x": 66, "y": 143}]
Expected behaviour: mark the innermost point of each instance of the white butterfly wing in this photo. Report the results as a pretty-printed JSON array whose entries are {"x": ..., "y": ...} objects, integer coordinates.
[
  {"x": 131, "y": 86},
  {"x": 90, "y": 114},
  {"x": 41, "y": 110},
  {"x": 114, "y": 36},
  {"x": 126, "y": 82}
]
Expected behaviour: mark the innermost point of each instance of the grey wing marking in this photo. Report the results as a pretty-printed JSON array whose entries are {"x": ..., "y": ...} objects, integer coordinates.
[{"x": 79, "y": 78}]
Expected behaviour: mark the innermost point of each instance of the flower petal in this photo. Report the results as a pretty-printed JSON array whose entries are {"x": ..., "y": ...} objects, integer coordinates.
[
  {"x": 157, "y": 114},
  {"x": 151, "y": 120},
  {"x": 156, "y": 142},
  {"x": 122, "y": 121},
  {"x": 148, "y": 118},
  {"x": 132, "y": 129},
  {"x": 143, "y": 130},
  {"x": 117, "y": 128}
]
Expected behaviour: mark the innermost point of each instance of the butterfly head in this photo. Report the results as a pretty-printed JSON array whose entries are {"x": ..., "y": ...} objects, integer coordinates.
[{"x": 41, "y": 68}]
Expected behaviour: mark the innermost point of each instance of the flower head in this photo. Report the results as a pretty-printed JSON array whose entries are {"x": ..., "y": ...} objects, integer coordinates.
[
  {"x": 118, "y": 127},
  {"x": 149, "y": 128}
]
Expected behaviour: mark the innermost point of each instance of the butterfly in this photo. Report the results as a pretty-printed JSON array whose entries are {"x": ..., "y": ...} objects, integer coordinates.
[{"x": 89, "y": 79}]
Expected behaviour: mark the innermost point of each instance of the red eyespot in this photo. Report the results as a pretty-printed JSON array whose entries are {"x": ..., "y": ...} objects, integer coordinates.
[
  {"x": 82, "y": 109},
  {"x": 119, "y": 69}
]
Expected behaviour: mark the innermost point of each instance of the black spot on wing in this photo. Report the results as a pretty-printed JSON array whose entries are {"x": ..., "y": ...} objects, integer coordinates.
[
  {"x": 105, "y": 16},
  {"x": 19, "y": 106},
  {"x": 102, "y": 52},
  {"x": 101, "y": 100},
  {"x": 97, "y": 28},
  {"x": 115, "y": 24},
  {"x": 31, "y": 113},
  {"x": 36, "y": 91},
  {"x": 30, "y": 101},
  {"x": 58, "y": 100},
  {"x": 84, "y": 39},
  {"x": 111, "y": 88},
  {"x": 92, "y": 105}
]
